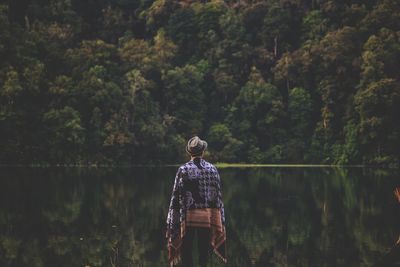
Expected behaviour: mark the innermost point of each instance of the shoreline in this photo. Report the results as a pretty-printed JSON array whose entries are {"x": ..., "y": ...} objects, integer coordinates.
[{"x": 218, "y": 165}]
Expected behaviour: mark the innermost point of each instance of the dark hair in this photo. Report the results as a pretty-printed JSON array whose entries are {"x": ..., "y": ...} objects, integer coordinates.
[{"x": 196, "y": 162}]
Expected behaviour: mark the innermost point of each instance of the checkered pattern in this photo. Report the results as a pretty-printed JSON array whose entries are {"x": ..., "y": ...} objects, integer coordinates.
[{"x": 194, "y": 188}]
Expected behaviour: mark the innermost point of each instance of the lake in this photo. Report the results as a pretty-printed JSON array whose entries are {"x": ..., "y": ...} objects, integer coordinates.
[{"x": 275, "y": 216}]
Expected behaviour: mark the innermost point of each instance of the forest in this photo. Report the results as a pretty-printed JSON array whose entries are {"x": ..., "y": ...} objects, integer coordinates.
[{"x": 129, "y": 81}]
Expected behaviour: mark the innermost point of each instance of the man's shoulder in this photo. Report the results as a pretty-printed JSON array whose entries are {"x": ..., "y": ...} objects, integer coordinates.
[
  {"x": 186, "y": 166},
  {"x": 189, "y": 165},
  {"x": 210, "y": 165}
]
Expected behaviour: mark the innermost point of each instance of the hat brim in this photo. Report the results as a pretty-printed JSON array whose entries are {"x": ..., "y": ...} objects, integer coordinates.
[{"x": 194, "y": 153}]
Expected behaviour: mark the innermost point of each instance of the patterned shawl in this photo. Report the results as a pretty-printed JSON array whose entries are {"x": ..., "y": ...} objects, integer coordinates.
[{"x": 196, "y": 201}]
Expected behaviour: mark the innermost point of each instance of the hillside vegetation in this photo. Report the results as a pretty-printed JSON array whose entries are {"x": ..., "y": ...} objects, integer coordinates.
[{"x": 129, "y": 81}]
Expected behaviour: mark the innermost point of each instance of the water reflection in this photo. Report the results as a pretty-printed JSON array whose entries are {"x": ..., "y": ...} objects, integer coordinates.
[{"x": 275, "y": 217}]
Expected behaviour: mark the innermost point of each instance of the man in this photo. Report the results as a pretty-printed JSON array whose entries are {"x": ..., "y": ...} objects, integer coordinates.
[{"x": 196, "y": 208}]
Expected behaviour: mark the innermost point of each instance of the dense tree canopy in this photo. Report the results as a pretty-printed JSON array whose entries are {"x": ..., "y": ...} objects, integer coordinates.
[{"x": 264, "y": 81}]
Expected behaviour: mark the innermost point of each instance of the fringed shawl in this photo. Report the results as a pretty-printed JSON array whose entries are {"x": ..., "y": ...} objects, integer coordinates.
[{"x": 196, "y": 201}]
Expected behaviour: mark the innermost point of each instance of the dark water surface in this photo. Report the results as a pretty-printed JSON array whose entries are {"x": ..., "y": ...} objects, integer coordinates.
[{"x": 275, "y": 216}]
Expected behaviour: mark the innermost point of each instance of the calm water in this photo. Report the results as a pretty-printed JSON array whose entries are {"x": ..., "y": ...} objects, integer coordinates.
[{"x": 275, "y": 216}]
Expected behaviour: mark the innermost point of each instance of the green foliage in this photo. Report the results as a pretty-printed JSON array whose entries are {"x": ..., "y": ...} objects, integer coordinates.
[
  {"x": 377, "y": 100},
  {"x": 184, "y": 98},
  {"x": 380, "y": 56},
  {"x": 347, "y": 153},
  {"x": 11, "y": 87},
  {"x": 257, "y": 117},
  {"x": 182, "y": 29},
  {"x": 385, "y": 14},
  {"x": 300, "y": 113},
  {"x": 130, "y": 81},
  {"x": 5, "y": 28},
  {"x": 65, "y": 133},
  {"x": 276, "y": 27},
  {"x": 223, "y": 146},
  {"x": 314, "y": 26},
  {"x": 378, "y": 107}
]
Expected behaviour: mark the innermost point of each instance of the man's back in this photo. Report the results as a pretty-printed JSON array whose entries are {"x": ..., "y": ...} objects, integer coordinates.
[
  {"x": 196, "y": 208},
  {"x": 201, "y": 185}
]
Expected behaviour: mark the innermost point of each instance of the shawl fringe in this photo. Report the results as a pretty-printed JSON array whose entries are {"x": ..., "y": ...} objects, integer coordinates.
[{"x": 207, "y": 217}]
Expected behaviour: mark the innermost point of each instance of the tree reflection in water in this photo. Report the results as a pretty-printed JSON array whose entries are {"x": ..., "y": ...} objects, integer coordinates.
[{"x": 275, "y": 217}]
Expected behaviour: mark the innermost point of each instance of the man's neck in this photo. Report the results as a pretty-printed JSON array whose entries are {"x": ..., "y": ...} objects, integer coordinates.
[{"x": 192, "y": 158}]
